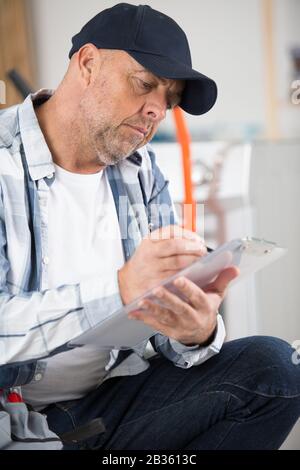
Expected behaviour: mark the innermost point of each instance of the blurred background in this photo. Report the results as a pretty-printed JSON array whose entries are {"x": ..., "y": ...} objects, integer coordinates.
[{"x": 244, "y": 154}]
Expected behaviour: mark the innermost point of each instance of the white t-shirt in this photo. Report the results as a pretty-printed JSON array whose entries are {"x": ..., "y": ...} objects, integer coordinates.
[{"x": 84, "y": 242}]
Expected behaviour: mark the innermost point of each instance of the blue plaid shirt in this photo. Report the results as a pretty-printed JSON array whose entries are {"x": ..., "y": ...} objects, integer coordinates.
[{"x": 36, "y": 322}]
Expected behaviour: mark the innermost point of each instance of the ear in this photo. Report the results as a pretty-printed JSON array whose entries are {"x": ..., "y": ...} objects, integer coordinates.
[{"x": 87, "y": 62}]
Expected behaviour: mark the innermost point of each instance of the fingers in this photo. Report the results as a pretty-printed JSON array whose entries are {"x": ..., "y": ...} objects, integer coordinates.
[
  {"x": 172, "y": 301},
  {"x": 172, "y": 264},
  {"x": 175, "y": 317},
  {"x": 178, "y": 246},
  {"x": 173, "y": 231},
  {"x": 155, "y": 316},
  {"x": 220, "y": 284},
  {"x": 197, "y": 297}
]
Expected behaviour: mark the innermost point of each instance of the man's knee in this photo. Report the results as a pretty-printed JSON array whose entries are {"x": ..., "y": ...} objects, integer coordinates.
[{"x": 270, "y": 366}]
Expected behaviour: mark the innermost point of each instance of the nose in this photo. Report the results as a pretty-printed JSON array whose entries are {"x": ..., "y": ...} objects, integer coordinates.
[{"x": 155, "y": 107}]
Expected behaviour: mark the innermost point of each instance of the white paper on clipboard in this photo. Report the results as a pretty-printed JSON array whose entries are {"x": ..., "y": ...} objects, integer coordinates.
[{"x": 248, "y": 254}]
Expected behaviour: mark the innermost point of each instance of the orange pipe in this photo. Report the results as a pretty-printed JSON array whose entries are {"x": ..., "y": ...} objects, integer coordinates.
[{"x": 184, "y": 140}]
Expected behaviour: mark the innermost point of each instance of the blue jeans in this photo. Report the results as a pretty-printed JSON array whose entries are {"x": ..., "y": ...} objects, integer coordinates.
[{"x": 246, "y": 397}]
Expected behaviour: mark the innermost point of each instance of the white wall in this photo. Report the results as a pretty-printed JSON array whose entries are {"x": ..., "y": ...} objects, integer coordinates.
[
  {"x": 226, "y": 40},
  {"x": 287, "y": 35}
]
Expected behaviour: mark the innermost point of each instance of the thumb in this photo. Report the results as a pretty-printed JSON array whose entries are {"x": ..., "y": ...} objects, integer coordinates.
[{"x": 219, "y": 285}]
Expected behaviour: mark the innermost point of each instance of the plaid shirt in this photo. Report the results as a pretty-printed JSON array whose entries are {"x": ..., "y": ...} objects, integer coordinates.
[{"x": 36, "y": 322}]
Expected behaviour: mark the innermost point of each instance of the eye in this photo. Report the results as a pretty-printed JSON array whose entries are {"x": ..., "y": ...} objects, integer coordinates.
[{"x": 144, "y": 85}]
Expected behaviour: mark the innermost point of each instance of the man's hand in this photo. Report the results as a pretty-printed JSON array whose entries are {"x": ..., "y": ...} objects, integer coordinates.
[
  {"x": 162, "y": 254},
  {"x": 189, "y": 323}
]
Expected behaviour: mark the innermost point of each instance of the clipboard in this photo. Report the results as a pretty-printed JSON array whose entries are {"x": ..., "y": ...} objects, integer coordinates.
[{"x": 248, "y": 254}]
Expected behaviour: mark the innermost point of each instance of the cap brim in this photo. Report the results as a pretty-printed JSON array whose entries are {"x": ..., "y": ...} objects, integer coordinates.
[{"x": 200, "y": 92}]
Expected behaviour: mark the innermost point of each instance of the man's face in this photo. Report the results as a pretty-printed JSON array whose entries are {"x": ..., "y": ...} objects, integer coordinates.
[{"x": 123, "y": 106}]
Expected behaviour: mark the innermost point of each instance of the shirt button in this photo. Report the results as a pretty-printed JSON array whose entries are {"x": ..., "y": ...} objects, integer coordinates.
[
  {"x": 46, "y": 260},
  {"x": 38, "y": 377},
  {"x": 49, "y": 176},
  {"x": 150, "y": 227}
]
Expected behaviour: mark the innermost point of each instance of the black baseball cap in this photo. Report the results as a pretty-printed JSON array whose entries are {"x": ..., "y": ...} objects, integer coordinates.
[{"x": 156, "y": 42}]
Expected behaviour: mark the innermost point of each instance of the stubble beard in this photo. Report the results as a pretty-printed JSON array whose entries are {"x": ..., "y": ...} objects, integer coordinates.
[
  {"x": 112, "y": 146},
  {"x": 108, "y": 142}
]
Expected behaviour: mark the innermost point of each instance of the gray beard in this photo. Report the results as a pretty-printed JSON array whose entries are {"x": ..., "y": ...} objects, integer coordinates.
[{"x": 108, "y": 155}]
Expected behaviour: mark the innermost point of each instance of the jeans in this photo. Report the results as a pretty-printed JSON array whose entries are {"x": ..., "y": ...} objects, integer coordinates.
[{"x": 246, "y": 397}]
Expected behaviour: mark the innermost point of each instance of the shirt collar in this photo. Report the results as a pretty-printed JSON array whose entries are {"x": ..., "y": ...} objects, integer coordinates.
[{"x": 37, "y": 153}]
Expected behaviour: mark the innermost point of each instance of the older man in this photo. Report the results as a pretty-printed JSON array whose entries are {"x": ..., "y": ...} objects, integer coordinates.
[{"x": 69, "y": 159}]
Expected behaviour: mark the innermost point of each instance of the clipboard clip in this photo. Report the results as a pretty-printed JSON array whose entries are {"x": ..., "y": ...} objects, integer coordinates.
[{"x": 259, "y": 248}]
